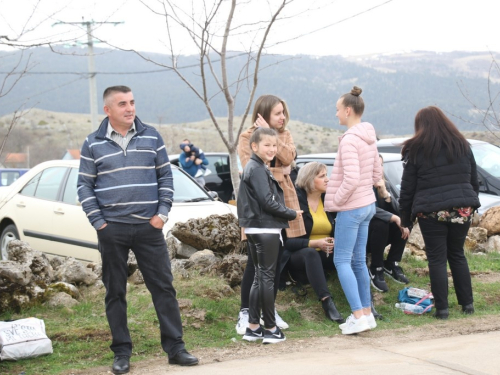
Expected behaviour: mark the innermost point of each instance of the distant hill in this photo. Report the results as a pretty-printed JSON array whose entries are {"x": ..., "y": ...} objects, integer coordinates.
[
  {"x": 46, "y": 135},
  {"x": 394, "y": 86}
]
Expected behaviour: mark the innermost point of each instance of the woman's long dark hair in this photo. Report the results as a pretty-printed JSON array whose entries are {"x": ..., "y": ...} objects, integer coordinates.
[{"x": 433, "y": 131}]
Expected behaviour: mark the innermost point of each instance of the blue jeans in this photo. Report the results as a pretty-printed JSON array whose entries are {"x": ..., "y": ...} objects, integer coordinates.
[{"x": 351, "y": 235}]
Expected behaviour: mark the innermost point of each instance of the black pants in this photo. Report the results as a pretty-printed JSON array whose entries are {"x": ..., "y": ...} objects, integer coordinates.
[
  {"x": 445, "y": 242},
  {"x": 264, "y": 249},
  {"x": 150, "y": 249},
  {"x": 307, "y": 266},
  {"x": 381, "y": 234},
  {"x": 249, "y": 275}
]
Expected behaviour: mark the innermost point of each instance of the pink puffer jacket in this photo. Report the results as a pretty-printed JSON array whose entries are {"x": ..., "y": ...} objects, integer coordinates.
[{"x": 357, "y": 168}]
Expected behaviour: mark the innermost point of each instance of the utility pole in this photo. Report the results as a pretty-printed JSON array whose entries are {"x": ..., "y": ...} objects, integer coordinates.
[{"x": 91, "y": 65}]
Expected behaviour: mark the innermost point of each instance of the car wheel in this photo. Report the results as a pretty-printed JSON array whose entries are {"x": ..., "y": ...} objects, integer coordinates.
[{"x": 10, "y": 233}]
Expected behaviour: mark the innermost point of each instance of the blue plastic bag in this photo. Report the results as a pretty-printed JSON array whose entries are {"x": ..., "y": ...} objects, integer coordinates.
[{"x": 424, "y": 302}]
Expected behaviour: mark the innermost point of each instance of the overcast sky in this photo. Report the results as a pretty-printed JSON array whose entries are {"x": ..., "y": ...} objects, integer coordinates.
[{"x": 345, "y": 27}]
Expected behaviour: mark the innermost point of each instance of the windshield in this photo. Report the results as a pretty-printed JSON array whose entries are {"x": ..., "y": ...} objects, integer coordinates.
[
  {"x": 393, "y": 173},
  {"x": 186, "y": 189},
  {"x": 487, "y": 157}
]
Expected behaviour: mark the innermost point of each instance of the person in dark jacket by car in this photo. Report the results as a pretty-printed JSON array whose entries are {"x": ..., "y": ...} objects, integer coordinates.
[
  {"x": 440, "y": 188},
  {"x": 263, "y": 214},
  {"x": 309, "y": 255},
  {"x": 385, "y": 229}
]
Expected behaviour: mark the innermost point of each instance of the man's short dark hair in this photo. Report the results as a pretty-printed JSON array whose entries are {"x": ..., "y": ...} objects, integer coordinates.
[{"x": 112, "y": 89}]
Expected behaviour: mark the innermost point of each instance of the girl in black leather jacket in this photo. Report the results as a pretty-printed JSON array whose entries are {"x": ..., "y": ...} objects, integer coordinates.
[{"x": 263, "y": 214}]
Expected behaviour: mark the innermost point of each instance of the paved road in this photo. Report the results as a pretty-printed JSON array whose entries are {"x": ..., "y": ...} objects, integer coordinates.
[{"x": 476, "y": 354}]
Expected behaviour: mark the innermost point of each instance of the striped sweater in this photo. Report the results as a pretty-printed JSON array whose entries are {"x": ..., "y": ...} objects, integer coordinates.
[{"x": 126, "y": 186}]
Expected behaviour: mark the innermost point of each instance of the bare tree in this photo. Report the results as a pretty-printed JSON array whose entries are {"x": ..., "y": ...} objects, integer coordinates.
[
  {"x": 487, "y": 116},
  {"x": 211, "y": 27}
]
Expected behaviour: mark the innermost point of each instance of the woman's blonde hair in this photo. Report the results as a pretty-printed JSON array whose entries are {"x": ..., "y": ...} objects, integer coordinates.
[
  {"x": 307, "y": 174},
  {"x": 264, "y": 106}
]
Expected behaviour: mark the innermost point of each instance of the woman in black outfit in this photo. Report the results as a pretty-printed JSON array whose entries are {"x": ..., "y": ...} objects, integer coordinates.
[
  {"x": 440, "y": 188},
  {"x": 307, "y": 256}
]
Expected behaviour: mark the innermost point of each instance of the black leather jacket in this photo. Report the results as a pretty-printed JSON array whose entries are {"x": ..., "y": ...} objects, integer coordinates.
[{"x": 260, "y": 200}]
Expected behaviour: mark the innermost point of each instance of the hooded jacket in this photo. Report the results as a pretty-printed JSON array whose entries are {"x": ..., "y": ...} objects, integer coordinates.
[{"x": 356, "y": 169}]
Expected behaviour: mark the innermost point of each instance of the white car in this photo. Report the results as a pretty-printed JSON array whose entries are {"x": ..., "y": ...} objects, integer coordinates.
[
  {"x": 42, "y": 208},
  {"x": 393, "y": 172}
]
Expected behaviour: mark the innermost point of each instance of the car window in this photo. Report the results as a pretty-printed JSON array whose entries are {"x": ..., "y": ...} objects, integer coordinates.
[
  {"x": 49, "y": 183},
  {"x": 218, "y": 163},
  {"x": 487, "y": 157},
  {"x": 30, "y": 188},
  {"x": 9, "y": 177},
  {"x": 393, "y": 172},
  {"x": 70, "y": 196},
  {"x": 186, "y": 189}
]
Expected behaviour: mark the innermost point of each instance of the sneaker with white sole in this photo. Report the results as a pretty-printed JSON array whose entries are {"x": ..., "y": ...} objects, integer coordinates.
[
  {"x": 371, "y": 321},
  {"x": 377, "y": 279},
  {"x": 199, "y": 173},
  {"x": 242, "y": 324},
  {"x": 250, "y": 335},
  {"x": 279, "y": 321},
  {"x": 353, "y": 325},
  {"x": 273, "y": 337},
  {"x": 394, "y": 271},
  {"x": 207, "y": 172}
]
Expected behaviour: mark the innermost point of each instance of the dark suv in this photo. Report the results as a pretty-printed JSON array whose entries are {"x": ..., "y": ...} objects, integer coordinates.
[{"x": 220, "y": 178}]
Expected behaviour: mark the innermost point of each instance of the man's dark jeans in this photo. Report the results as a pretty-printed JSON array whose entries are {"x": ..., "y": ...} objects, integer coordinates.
[
  {"x": 150, "y": 249},
  {"x": 444, "y": 241}
]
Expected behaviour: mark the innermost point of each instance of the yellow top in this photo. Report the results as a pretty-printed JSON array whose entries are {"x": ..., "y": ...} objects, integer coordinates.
[{"x": 321, "y": 225}]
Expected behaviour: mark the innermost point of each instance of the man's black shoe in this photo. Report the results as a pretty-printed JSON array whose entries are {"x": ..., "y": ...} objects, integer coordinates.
[
  {"x": 331, "y": 311},
  {"x": 121, "y": 364},
  {"x": 183, "y": 358}
]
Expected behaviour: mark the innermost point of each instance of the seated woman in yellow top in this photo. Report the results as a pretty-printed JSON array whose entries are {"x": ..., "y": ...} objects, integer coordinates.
[{"x": 306, "y": 257}]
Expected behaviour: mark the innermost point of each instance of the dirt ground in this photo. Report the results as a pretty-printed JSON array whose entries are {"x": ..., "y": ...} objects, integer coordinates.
[{"x": 241, "y": 349}]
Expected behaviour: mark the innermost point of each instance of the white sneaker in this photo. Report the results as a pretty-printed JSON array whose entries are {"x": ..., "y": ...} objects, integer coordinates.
[
  {"x": 279, "y": 321},
  {"x": 371, "y": 321},
  {"x": 207, "y": 172},
  {"x": 242, "y": 325},
  {"x": 353, "y": 325},
  {"x": 199, "y": 173}
]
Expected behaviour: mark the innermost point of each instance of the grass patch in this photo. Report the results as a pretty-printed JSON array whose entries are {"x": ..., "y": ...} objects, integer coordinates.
[{"x": 81, "y": 337}]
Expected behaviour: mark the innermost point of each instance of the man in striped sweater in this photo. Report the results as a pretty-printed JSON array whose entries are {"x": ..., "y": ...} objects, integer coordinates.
[{"x": 125, "y": 186}]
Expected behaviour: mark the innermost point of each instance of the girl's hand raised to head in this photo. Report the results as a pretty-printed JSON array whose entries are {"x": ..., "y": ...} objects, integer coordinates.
[{"x": 261, "y": 122}]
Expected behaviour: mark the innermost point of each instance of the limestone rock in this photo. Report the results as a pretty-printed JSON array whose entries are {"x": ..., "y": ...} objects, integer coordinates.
[
  {"x": 136, "y": 278},
  {"x": 74, "y": 272},
  {"x": 416, "y": 238},
  {"x": 131, "y": 263},
  {"x": 219, "y": 233},
  {"x": 493, "y": 244},
  {"x": 13, "y": 272},
  {"x": 61, "y": 299},
  {"x": 491, "y": 221},
  {"x": 478, "y": 234},
  {"x": 470, "y": 245},
  {"x": 202, "y": 259},
  {"x": 67, "y": 288},
  {"x": 231, "y": 268},
  {"x": 56, "y": 262},
  {"x": 39, "y": 264},
  {"x": 179, "y": 249}
]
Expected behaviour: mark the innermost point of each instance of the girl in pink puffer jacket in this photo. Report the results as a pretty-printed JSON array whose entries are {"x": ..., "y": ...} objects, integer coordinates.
[{"x": 350, "y": 193}]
